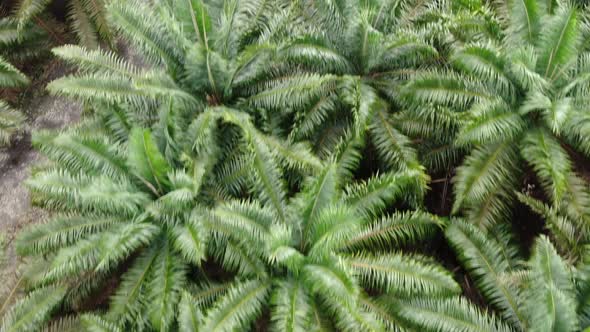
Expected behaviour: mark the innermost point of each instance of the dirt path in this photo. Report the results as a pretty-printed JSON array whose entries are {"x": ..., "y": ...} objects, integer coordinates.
[{"x": 44, "y": 112}]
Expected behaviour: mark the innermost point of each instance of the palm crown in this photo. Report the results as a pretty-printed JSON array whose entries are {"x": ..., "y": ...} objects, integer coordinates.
[
  {"x": 524, "y": 97},
  {"x": 342, "y": 74},
  {"x": 305, "y": 258}
]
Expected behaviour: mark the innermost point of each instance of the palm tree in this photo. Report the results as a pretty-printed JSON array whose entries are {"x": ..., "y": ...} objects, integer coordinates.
[
  {"x": 188, "y": 59},
  {"x": 191, "y": 66},
  {"x": 126, "y": 202},
  {"x": 313, "y": 262},
  {"x": 519, "y": 103},
  {"x": 341, "y": 75},
  {"x": 544, "y": 294}
]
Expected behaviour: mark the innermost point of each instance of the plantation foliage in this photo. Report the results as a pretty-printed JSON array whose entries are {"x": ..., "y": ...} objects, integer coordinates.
[{"x": 269, "y": 166}]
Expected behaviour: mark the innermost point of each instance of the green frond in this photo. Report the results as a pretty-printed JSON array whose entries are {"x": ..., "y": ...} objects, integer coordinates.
[
  {"x": 120, "y": 242},
  {"x": 107, "y": 196},
  {"x": 26, "y": 10},
  {"x": 96, "y": 10},
  {"x": 487, "y": 170},
  {"x": 582, "y": 276},
  {"x": 405, "y": 50},
  {"x": 291, "y": 310},
  {"x": 96, "y": 61},
  {"x": 252, "y": 67},
  {"x": 454, "y": 314},
  {"x": 135, "y": 21},
  {"x": 333, "y": 280},
  {"x": 485, "y": 62},
  {"x": 269, "y": 184},
  {"x": 146, "y": 161},
  {"x": 190, "y": 317},
  {"x": 294, "y": 155},
  {"x": 347, "y": 155},
  {"x": 206, "y": 293},
  {"x": 195, "y": 20},
  {"x": 402, "y": 274},
  {"x": 372, "y": 196},
  {"x": 294, "y": 92},
  {"x": 59, "y": 232},
  {"x": 397, "y": 230},
  {"x": 244, "y": 221},
  {"x": 106, "y": 88},
  {"x": 393, "y": 147},
  {"x": 206, "y": 71},
  {"x": 314, "y": 117},
  {"x": 64, "y": 324},
  {"x": 486, "y": 264},
  {"x": 33, "y": 311},
  {"x": 559, "y": 42},
  {"x": 237, "y": 309},
  {"x": 237, "y": 256},
  {"x": 563, "y": 230},
  {"x": 130, "y": 299},
  {"x": 94, "y": 323},
  {"x": 190, "y": 240},
  {"x": 523, "y": 62},
  {"x": 91, "y": 154},
  {"x": 319, "y": 192},
  {"x": 557, "y": 115},
  {"x": 525, "y": 21},
  {"x": 490, "y": 123},
  {"x": 82, "y": 24},
  {"x": 496, "y": 207},
  {"x": 333, "y": 226},
  {"x": 550, "y": 303},
  {"x": 445, "y": 89},
  {"x": 316, "y": 55},
  {"x": 10, "y": 77},
  {"x": 8, "y": 31},
  {"x": 550, "y": 162},
  {"x": 164, "y": 289},
  {"x": 71, "y": 261},
  {"x": 56, "y": 189}
]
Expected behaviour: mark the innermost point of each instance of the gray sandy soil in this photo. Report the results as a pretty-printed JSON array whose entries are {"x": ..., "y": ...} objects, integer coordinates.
[{"x": 44, "y": 112}]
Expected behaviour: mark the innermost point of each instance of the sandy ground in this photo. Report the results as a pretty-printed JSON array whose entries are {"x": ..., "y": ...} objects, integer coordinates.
[{"x": 44, "y": 112}]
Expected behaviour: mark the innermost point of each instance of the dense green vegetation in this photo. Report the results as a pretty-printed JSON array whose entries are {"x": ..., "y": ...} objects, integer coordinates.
[
  {"x": 87, "y": 18},
  {"x": 270, "y": 165}
]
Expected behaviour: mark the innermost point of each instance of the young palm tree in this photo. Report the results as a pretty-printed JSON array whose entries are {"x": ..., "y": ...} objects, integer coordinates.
[
  {"x": 87, "y": 18},
  {"x": 188, "y": 59},
  {"x": 544, "y": 294},
  {"x": 520, "y": 103},
  {"x": 313, "y": 262},
  {"x": 342, "y": 74},
  {"x": 126, "y": 202}
]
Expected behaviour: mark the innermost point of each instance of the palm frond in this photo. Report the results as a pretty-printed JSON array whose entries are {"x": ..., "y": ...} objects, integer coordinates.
[
  {"x": 483, "y": 258},
  {"x": 10, "y": 77},
  {"x": 550, "y": 162},
  {"x": 33, "y": 311},
  {"x": 450, "y": 314},
  {"x": 403, "y": 274},
  {"x": 242, "y": 304},
  {"x": 550, "y": 303}
]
